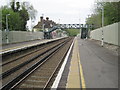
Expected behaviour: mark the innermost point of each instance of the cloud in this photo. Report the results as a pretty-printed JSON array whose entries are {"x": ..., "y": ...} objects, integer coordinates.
[{"x": 68, "y": 11}]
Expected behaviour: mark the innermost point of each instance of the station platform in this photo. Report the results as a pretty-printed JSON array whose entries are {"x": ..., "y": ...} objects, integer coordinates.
[
  {"x": 75, "y": 76},
  {"x": 92, "y": 66},
  {"x": 21, "y": 45},
  {"x": 88, "y": 65}
]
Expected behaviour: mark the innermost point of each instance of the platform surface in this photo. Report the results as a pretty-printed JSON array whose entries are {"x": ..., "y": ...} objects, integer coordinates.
[
  {"x": 21, "y": 45},
  {"x": 92, "y": 66},
  {"x": 18, "y": 45},
  {"x": 12, "y": 45}
]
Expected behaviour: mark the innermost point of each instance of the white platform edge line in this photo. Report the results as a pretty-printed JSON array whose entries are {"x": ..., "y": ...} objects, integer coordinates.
[
  {"x": 57, "y": 79},
  {"x": 26, "y": 46}
]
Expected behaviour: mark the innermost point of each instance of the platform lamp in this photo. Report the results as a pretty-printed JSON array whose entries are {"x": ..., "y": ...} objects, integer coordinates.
[
  {"x": 79, "y": 28},
  {"x": 43, "y": 24},
  {"x": 7, "y": 27},
  {"x": 102, "y": 41}
]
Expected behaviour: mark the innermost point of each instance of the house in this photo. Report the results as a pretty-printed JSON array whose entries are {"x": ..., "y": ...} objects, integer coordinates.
[{"x": 44, "y": 25}]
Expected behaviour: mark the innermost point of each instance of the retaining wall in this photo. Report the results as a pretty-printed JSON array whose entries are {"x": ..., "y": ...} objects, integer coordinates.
[
  {"x": 110, "y": 34},
  {"x": 20, "y": 36}
]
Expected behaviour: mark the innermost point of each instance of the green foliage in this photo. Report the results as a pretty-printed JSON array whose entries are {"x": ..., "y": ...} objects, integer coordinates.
[
  {"x": 18, "y": 6},
  {"x": 13, "y": 19},
  {"x": 95, "y": 19},
  {"x": 19, "y": 15},
  {"x": 24, "y": 17},
  {"x": 111, "y": 14},
  {"x": 72, "y": 32},
  {"x": 13, "y": 5}
]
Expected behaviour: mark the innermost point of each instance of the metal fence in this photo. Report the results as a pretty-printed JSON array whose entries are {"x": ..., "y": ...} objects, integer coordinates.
[{"x": 110, "y": 34}]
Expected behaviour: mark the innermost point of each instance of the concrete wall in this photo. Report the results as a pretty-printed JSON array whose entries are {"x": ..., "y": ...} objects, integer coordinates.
[
  {"x": 110, "y": 34},
  {"x": 19, "y": 36}
]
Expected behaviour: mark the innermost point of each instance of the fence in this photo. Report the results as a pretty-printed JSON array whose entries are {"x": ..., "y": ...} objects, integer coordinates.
[
  {"x": 19, "y": 36},
  {"x": 110, "y": 34}
]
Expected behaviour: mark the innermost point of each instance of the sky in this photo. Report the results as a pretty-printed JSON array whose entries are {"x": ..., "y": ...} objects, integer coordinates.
[{"x": 60, "y": 11}]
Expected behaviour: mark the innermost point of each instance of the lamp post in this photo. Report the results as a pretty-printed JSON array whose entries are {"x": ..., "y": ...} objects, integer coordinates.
[
  {"x": 7, "y": 27},
  {"x": 80, "y": 28},
  {"x": 58, "y": 21},
  {"x": 7, "y": 22},
  {"x": 32, "y": 24},
  {"x": 102, "y": 41},
  {"x": 43, "y": 23}
]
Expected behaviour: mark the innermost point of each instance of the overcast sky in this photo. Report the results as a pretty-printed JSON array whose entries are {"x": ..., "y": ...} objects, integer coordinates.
[{"x": 63, "y": 11}]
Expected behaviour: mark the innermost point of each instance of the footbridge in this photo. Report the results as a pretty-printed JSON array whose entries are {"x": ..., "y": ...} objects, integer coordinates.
[
  {"x": 83, "y": 27},
  {"x": 74, "y": 26}
]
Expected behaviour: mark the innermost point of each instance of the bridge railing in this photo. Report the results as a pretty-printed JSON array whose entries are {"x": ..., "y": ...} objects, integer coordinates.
[{"x": 74, "y": 26}]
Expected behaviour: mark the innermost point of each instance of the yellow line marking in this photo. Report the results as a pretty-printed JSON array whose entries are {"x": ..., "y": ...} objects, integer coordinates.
[
  {"x": 81, "y": 70},
  {"x": 75, "y": 76},
  {"x": 73, "y": 80}
]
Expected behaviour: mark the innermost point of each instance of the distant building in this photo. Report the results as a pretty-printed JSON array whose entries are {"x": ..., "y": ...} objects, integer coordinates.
[{"x": 44, "y": 24}]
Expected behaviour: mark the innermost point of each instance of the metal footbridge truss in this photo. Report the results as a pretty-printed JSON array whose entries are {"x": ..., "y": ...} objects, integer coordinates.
[
  {"x": 74, "y": 26},
  {"x": 47, "y": 34}
]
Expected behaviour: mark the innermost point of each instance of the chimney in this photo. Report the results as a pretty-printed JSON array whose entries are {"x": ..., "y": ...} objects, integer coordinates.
[
  {"x": 41, "y": 18},
  {"x": 47, "y": 18}
]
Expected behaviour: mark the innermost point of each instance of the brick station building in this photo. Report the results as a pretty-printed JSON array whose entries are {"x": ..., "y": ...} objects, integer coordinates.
[{"x": 44, "y": 24}]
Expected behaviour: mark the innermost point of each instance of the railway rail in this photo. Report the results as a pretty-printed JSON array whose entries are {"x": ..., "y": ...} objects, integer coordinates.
[{"x": 34, "y": 69}]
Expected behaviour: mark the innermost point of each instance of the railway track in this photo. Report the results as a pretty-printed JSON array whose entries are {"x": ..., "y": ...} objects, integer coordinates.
[
  {"x": 17, "y": 60},
  {"x": 34, "y": 69},
  {"x": 18, "y": 54}
]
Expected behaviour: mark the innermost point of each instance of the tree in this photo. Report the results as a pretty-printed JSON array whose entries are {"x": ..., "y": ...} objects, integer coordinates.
[
  {"x": 13, "y": 5},
  {"x": 14, "y": 20},
  {"x": 31, "y": 11},
  {"x": 94, "y": 19},
  {"x": 24, "y": 17},
  {"x": 18, "y": 6},
  {"x": 27, "y": 12},
  {"x": 20, "y": 13},
  {"x": 111, "y": 13}
]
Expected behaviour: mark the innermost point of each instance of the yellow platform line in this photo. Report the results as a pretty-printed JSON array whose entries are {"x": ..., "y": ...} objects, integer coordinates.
[
  {"x": 81, "y": 74},
  {"x": 76, "y": 77}
]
